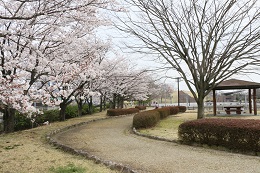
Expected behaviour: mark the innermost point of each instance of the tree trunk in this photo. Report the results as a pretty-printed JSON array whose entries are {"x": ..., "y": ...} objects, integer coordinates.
[
  {"x": 114, "y": 101},
  {"x": 200, "y": 103},
  {"x": 90, "y": 105},
  {"x": 101, "y": 103},
  {"x": 9, "y": 122},
  {"x": 80, "y": 107},
  {"x": 118, "y": 102},
  {"x": 104, "y": 103},
  {"x": 121, "y": 102},
  {"x": 62, "y": 111}
]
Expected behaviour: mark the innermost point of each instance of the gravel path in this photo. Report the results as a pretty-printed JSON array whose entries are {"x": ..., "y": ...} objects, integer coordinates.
[{"x": 112, "y": 140}]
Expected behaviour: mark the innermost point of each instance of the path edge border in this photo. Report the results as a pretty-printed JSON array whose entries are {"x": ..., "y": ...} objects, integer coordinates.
[{"x": 154, "y": 137}]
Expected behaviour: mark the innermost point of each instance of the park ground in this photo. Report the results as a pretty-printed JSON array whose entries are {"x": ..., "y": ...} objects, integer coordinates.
[{"x": 28, "y": 150}]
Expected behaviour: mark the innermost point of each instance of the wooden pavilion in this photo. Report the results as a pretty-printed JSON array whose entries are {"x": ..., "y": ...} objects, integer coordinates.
[{"x": 238, "y": 84}]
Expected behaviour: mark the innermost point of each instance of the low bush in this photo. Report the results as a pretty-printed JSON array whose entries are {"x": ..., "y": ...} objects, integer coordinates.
[
  {"x": 182, "y": 108},
  {"x": 164, "y": 112},
  {"x": 234, "y": 134},
  {"x": 117, "y": 112},
  {"x": 150, "y": 118},
  {"x": 146, "y": 119},
  {"x": 71, "y": 111},
  {"x": 85, "y": 110},
  {"x": 22, "y": 122},
  {"x": 48, "y": 115},
  {"x": 140, "y": 107},
  {"x": 173, "y": 110}
]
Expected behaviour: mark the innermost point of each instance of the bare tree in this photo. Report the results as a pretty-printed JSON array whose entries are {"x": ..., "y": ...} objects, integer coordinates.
[{"x": 205, "y": 41}]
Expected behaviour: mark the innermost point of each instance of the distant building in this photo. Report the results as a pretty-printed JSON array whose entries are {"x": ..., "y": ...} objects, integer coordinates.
[{"x": 185, "y": 97}]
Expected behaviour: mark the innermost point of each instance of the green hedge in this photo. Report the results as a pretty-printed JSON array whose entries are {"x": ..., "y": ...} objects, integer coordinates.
[
  {"x": 48, "y": 115},
  {"x": 71, "y": 111},
  {"x": 22, "y": 122},
  {"x": 234, "y": 134},
  {"x": 117, "y": 112},
  {"x": 146, "y": 119}
]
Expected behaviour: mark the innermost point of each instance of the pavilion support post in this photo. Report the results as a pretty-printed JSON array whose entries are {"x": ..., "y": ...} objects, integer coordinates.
[
  {"x": 254, "y": 101},
  {"x": 214, "y": 103},
  {"x": 249, "y": 101}
]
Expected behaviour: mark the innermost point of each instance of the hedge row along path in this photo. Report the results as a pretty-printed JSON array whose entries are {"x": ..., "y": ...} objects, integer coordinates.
[{"x": 112, "y": 140}]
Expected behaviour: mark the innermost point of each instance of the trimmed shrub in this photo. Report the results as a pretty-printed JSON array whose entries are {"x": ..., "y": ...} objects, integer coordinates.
[
  {"x": 117, "y": 112},
  {"x": 140, "y": 107},
  {"x": 182, "y": 108},
  {"x": 146, "y": 119},
  {"x": 164, "y": 112},
  {"x": 173, "y": 110},
  {"x": 234, "y": 134}
]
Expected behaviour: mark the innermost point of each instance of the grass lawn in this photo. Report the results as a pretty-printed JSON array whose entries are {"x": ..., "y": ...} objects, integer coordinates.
[
  {"x": 28, "y": 151},
  {"x": 168, "y": 127}
]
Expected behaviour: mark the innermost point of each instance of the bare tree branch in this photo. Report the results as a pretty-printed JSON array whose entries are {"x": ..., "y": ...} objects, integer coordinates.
[{"x": 205, "y": 41}]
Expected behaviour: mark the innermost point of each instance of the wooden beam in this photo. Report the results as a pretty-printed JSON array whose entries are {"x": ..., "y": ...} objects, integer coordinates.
[
  {"x": 249, "y": 101},
  {"x": 214, "y": 103},
  {"x": 254, "y": 101}
]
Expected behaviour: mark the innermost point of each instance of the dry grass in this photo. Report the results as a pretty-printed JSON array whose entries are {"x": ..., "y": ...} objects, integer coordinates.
[
  {"x": 168, "y": 128},
  {"x": 28, "y": 151}
]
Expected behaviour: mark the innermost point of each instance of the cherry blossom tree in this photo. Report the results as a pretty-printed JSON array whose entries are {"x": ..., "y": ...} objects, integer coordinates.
[
  {"x": 32, "y": 35},
  {"x": 73, "y": 75},
  {"x": 122, "y": 82}
]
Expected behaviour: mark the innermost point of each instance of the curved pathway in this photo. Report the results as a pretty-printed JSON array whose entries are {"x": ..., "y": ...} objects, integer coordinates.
[{"x": 111, "y": 139}]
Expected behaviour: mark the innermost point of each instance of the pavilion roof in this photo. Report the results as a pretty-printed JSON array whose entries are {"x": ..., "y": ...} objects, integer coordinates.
[{"x": 236, "y": 84}]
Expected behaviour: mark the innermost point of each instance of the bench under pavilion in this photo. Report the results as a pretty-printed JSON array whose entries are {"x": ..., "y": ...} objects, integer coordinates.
[{"x": 233, "y": 84}]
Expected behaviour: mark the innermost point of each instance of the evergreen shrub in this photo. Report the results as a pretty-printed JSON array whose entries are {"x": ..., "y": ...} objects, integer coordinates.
[
  {"x": 22, "y": 122},
  {"x": 71, "y": 111},
  {"x": 146, "y": 119},
  {"x": 234, "y": 134},
  {"x": 85, "y": 110},
  {"x": 48, "y": 115}
]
